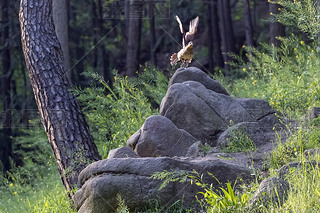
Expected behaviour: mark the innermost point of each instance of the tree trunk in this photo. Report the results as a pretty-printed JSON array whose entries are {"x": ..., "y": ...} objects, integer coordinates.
[
  {"x": 276, "y": 29},
  {"x": 6, "y": 144},
  {"x": 61, "y": 116},
  {"x": 152, "y": 34},
  {"x": 60, "y": 18},
  {"x": 134, "y": 34},
  {"x": 217, "y": 54},
  {"x": 103, "y": 55},
  {"x": 227, "y": 34},
  {"x": 248, "y": 23},
  {"x": 210, "y": 35}
]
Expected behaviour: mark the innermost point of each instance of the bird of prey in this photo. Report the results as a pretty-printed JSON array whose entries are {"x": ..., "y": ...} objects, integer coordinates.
[{"x": 185, "y": 55}]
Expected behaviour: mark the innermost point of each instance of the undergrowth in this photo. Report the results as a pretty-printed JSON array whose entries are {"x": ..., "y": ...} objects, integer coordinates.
[
  {"x": 116, "y": 113},
  {"x": 239, "y": 141}
]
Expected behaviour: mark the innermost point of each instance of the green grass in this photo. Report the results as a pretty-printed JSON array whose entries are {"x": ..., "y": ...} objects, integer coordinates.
[
  {"x": 45, "y": 194},
  {"x": 239, "y": 142}
]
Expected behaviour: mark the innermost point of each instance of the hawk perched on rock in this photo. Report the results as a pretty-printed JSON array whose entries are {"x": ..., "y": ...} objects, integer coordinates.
[{"x": 185, "y": 55}]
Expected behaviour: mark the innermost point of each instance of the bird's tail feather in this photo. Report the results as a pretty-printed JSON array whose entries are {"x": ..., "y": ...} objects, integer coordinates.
[{"x": 174, "y": 59}]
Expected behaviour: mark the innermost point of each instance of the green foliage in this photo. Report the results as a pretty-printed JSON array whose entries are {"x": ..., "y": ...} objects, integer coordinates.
[
  {"x": 303, "y": 15},
  {"x": 43, "y": 192},
  {"x": 299, "y": 140},
  {"x": 304, "y": 193},
  {"x": 35, "y": 186},
  {"x": 206, "y": 148},
  {"x": 287, "y": 77},
  {"x": 122, "y": 208},
  {"x": 239, "y": 142},
  {"x": 212, "y": 199},
  {"x": 226, "y": 201},
  {"x": 115, "y": 114}
]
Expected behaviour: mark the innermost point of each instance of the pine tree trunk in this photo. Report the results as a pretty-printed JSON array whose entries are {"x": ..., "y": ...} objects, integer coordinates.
[
  {"x": 6, "y": 143},
  {"x": 134, "y": 34},
  {"x": 248, "y": 23},
  {"x": 276, "y": 29},
  {"x": 61, "y": 116},
  {"x": 60, "y": 18}
]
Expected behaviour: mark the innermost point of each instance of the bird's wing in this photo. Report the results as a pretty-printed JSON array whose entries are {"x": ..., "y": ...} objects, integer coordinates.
[
  {"x": 192, "y": 30},
  {"x": 182, "y": 31},
  {"x": 193, "y": 25},
  {"x": 180, "y": 24}
]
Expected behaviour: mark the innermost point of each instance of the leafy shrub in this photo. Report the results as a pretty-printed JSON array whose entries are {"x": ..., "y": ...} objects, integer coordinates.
[{"x": 115, "y": 114}]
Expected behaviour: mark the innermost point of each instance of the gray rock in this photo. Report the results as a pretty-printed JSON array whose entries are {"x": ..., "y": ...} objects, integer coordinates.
[
  {"x": 133, "y": 139},
  {"x": 272, "y": 191},
  {"x": 199, "y": 150},
  {"x": 201, "y": 112},
  {"x": 251, "y": 129},
  {"x": 130, "y": 178},
  {"x": 261, "y": 111},
  {"x": 160, "y": 137},
  {"x": 122, "y": 152},
  {"x": 311, "y": 152},
  {"x": 205, "y": 114},
  {"x": 313, "y": 113},
  {"x": 195, "y": 74}
]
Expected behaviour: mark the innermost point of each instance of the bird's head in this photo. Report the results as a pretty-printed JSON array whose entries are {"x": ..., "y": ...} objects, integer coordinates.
[{"x": 190, "y": 45}]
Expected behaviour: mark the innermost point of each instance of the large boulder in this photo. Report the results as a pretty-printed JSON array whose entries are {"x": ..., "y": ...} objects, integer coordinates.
[
  {"x": 195, "y": 74},
  {"x": 160, "y": 137},
  {"x": 130, "y": 178},
  {"x": 122, "y": 152},
  {"x": 203, "y": 113},
  {"x": 206, "y": 114},
  {"x": 272, "y": 191}
]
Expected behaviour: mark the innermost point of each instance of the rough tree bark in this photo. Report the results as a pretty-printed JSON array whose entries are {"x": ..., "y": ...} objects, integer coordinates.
[
  {"x": 248, "y": 23},
  {"x": 6, "y": 142},
  {"x": 276, "y": 29},
  {"x": 61, "y": 116},
  {"x": 60, "y": 18},
  {"x": 134, "y": 34}
]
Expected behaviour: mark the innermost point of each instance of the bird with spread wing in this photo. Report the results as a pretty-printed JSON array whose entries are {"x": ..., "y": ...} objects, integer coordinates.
[{"x": 185, "y": 55}]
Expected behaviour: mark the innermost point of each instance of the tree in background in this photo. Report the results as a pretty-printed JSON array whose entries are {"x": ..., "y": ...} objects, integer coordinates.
[
  {"x": 61, "y": 116},
  {"x": 134, "y": 36},
  {"x": 153, "y": 57},
  {"x": 227, "y": 35},
  {"x": 276, "y": 29},
  {"x": 215, "y": 58},
  {"x": 6, "y": 141},
  {"x": 248, "y": 23}
]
